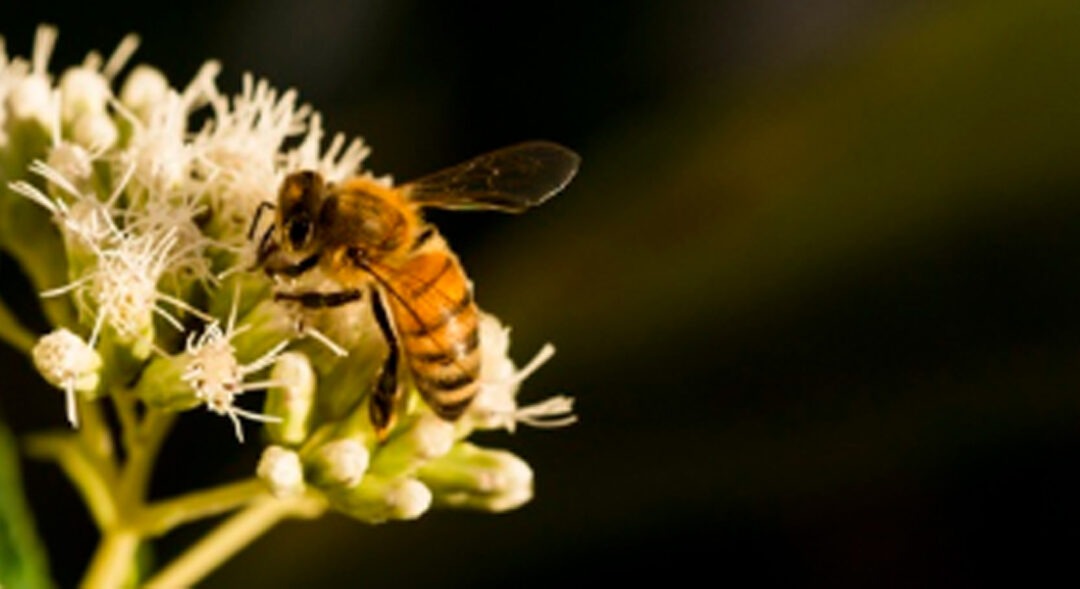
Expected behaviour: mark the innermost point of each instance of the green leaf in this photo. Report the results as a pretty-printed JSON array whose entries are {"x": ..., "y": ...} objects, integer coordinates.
[{"x": 22, "y": 558}]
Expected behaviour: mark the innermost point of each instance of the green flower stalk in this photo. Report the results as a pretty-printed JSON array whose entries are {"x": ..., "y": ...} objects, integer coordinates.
[{"x": 133, "y": 226}]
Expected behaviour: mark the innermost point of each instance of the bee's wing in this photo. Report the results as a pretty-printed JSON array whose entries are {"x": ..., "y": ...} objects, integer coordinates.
[{"x": 510, "y": 179}]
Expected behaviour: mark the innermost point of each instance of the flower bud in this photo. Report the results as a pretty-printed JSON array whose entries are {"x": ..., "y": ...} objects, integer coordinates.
[
  {"x": 161, "y": 384},
  {"x": 82, "y": 91},
  {"x": 490, "y": 502},
  {"x": 378, "y": 499},
  {"x": 282, "y": 472},
  {"x": 479, "y": 478},
  {"x": 31, "y": 99},
  {"x": 426, "y": 438},
  {"x": 95, "y": 131},
  {"x": 64, "y": 358},
  {"x": 69, "y": 363},
  {"x": 340, "y": 463},
  {"x": 293, "y": 399},
  {"x": 144, "y": 87}
]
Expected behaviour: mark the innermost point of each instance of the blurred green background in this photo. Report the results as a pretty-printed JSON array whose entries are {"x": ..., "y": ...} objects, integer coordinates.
[{"x": 815, "y": 288}]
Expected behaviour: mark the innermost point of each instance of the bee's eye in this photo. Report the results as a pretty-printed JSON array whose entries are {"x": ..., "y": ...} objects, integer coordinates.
[{"x": 299, "y": 232}]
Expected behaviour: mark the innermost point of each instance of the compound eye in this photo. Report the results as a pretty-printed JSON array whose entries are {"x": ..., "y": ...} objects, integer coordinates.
[{"x": 299, "y": 232}]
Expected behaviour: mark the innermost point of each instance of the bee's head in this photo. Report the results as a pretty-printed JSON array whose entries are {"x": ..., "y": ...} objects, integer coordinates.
[
  {"x": 299, "y": 201},
  {"x": 290, "y": 246}
]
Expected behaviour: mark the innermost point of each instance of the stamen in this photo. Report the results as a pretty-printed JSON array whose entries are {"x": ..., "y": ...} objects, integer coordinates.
[
  {"x": 323, "y": 339},
  {"x": 265, "y": 360},
  {"x": 120, "y": 56},
  {"x": 549, "y": 413}
]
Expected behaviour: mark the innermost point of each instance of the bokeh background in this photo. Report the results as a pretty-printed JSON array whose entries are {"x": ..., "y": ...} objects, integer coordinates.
[{"x": 815, "y": 288}]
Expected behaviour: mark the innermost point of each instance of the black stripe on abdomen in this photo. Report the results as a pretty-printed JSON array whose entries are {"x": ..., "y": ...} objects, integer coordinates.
[
  {"x": 448, "y": 394},
  {"x": 452, "y": 411},
  {"x": 447, "y": 356},
  {"x": 450, "y": 380}
]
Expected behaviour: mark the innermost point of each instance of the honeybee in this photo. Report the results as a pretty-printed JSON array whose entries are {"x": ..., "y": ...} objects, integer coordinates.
[{"x": 371, "y": 239}]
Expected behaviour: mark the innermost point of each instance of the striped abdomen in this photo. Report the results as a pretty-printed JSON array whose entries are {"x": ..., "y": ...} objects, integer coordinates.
[{"x": 436, "y": 324}]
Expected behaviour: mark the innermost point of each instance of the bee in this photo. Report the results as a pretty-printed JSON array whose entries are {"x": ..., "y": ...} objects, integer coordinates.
[{"x": 371, "y": 239}]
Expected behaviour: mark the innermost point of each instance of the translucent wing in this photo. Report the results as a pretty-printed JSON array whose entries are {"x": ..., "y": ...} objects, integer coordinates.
[{"x": 509, "y": 179}]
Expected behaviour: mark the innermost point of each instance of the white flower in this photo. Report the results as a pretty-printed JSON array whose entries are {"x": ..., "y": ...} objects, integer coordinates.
[
  {"x": 337, "y": 163},
  {"x": 159, "y": 151},
  {"x": 68, "y": 363},
  {"x": 121, "y": 285},
  {"x": 86, "y": 219},
  {"x": 495, "y": 405},
  {"x": 165, "y": 192},
  {"x": 217, "y": 377},
  {"x": 238, "y": 151},
  {"x": 152, "y": 191}
]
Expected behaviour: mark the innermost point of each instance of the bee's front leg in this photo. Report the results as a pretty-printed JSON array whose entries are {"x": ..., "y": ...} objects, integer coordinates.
[{"x": 259, "y": 210}]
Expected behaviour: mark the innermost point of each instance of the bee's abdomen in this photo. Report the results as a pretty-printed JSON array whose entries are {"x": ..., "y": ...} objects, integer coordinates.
[{"x": 437, "y": 325}]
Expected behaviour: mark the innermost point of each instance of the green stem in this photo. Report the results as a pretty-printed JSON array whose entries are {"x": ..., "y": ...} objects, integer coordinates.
[
  {"x": 124, "y": 404},
  {"x": 143, "y": 452},
  {"x": 111, "y": 565},
  {"x": 231, "y": 536},
  {"x": 96, "y": 437},
  {"x": 159, "y": 518}
]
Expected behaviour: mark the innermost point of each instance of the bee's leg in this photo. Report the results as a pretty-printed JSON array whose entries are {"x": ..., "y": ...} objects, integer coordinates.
[
  {"x": 387, "y": 393},
  {"x": 265, "y": 248},
  {"x": 259, "y": 210},
  {"x": 319, "y": 300}
]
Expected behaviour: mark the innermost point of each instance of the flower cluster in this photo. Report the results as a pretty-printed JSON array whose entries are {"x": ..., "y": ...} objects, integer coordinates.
[{"x": 133, "y": 225}]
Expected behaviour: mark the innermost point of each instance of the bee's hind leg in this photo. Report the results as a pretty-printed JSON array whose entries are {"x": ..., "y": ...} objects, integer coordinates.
[{"x": 387, "y": 393}]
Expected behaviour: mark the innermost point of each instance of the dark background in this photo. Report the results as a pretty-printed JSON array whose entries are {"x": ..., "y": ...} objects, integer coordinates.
[{"x": 815, "y": 288}]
